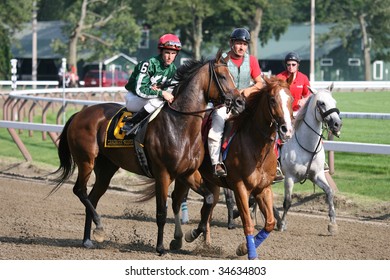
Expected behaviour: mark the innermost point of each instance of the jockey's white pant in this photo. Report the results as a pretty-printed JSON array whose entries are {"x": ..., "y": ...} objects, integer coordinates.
[
  {"x": 215, "y": 135},
  {"x": 135, "y": 103}
]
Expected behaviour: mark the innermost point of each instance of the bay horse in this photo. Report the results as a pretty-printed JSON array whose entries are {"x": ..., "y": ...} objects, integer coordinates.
[
  {"x": 172, "y": 144},
  {"x": 303, "y": 156},
  {"x": 251, "y": 163}
]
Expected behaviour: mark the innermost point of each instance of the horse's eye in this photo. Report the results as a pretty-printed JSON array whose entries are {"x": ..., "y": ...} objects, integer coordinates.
[{"x": 273, "y": 101}]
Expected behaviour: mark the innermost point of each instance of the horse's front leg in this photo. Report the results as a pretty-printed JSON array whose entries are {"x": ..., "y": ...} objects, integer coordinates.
[
  {"x": 242, "y": 200},
  {"x": 161, "y": 211},
  {"x": 180, "y": 191},
  {"x": 320, "y": 180},
  {"x": 265, "y": 201}
]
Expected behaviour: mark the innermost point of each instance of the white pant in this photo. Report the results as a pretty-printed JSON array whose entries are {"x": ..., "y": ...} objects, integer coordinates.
[
  {"x": 134, "y": 103},
  {"x": 219, "y": 117}
]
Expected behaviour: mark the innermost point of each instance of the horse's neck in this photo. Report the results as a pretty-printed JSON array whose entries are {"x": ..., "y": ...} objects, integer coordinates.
[
  {"x": 260, "y": 131},
  {"x": 309, "y": 129}
]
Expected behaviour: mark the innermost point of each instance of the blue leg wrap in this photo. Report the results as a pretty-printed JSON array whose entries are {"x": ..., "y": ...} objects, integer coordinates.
[
  {"x": 250, "y": 244},
  {"x": 260, "y": 237}
]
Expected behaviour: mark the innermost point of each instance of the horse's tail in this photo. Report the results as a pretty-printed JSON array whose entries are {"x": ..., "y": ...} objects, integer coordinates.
[
  {"x": 148, "y": 193},
  {"x": 67, "y": 164}
]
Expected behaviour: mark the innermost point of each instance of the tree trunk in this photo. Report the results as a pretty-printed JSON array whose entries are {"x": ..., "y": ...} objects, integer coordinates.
[
  {"x": 76, "y": 34},
  {"x": 366, "y": 48},
  {"x": 198, "y": 37},
  {"x": 255, "y": 28}
]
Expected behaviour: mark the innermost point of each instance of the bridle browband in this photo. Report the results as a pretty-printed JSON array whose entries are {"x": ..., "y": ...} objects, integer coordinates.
[{"x": 221, "y": 91}]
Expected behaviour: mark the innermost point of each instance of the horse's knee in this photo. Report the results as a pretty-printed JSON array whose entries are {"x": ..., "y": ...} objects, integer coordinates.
[{"x": 270, "y": 225}]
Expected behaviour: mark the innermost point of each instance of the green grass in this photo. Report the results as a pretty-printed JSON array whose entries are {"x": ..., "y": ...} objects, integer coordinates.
[{"x": 362, "y": 176}]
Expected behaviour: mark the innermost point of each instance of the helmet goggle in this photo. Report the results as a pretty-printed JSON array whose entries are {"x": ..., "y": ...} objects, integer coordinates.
[{"x": 171, "y": 45}]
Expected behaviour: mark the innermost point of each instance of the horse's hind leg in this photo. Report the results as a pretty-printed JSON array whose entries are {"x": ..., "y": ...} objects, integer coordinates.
[
  {"x": 229, "y": 197},
  {"x": 90, "y": 201},
  {"x": 104, "y": 171},
  {"x": 210, "y": 194},
  {"x": 288, "y": 188},
  {"x": 320, "y": 180}
]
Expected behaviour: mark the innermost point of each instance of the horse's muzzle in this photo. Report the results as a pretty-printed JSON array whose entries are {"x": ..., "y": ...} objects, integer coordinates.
[
  {"x": 335, "y": 127},
  {"x": 284, "y": 132}
]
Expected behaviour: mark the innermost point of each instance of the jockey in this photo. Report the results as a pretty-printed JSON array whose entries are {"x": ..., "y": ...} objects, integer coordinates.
[
  {"x": 145, "y": 94},
  {"x": 246, "y": 73}
]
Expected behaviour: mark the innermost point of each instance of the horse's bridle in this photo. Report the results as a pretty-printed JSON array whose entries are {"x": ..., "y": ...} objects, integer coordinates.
[
  {"x": 274, "y": 122},
  {"x": 221, "y": 91},
  {"x": 323, "y": 115}
]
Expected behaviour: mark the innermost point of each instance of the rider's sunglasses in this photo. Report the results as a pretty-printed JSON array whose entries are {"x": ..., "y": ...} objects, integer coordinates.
[
  {"x": 176, "y": 45},
  {"x": 291, "y": 64}
]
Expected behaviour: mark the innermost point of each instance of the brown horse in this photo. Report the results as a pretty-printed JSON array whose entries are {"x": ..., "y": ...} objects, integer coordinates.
[
  {"x": 251, "y": 163},
  {"x": 172, "y": 144}
]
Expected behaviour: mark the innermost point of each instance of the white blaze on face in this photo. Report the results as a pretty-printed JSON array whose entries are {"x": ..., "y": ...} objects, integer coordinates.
[{"x": 287, "y": 118}]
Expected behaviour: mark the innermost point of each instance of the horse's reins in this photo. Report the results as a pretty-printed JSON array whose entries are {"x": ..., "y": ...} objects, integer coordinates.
[
  {"x": 323, "y": 116},
  {"x": 213, "y": 76}
]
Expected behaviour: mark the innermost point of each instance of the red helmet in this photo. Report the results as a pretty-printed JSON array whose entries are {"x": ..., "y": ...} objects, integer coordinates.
[{"x": 169, "y": 41}]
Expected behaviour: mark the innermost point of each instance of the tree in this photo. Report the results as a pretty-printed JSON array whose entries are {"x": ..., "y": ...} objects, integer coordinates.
[
  {"x": 13, "y": 13},
  {"x": 99, "y": 27},
  {"x": 188, "y": 22},
  {"x": 202, "y": 22},
  {"x": 368, "y": 21}
]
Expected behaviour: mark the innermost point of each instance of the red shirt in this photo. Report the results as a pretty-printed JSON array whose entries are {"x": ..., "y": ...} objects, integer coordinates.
[
  {"x": 298, "y": 88},
  {"x": 253, "y": 64}
]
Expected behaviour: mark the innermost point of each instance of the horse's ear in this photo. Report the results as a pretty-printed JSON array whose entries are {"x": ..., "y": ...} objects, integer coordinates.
[
  {"x": 312, "y": 90},
  {"x": 330, "y": 88},
  {"x": 219, "y": 55}
]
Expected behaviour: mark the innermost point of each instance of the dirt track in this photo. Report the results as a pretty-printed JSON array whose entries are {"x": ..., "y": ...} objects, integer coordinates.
[{"x": 33, "y": 227}]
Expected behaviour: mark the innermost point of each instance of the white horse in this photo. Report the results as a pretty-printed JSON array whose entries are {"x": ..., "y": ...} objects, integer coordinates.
[{"x": 303, "y": 156}]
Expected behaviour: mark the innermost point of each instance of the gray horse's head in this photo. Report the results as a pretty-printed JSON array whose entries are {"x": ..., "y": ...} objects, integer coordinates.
[{"x": 326, "y": 110}]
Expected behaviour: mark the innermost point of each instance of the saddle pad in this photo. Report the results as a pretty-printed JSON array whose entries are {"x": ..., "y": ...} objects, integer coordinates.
[{"x": 114, "y": 138}]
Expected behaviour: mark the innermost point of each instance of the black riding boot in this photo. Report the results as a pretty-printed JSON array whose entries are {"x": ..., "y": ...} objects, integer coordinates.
[{"x": 137, "y": 117}]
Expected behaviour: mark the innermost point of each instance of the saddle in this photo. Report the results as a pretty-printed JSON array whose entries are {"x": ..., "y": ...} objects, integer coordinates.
[{"x": 116, "y": 138}]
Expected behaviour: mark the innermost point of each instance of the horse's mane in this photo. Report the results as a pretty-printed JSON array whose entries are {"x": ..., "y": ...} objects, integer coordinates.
[
  {"x": 302, "y": 112},
  {"x": 252, "y": 101},
  {"x": 187, "y": 71}
]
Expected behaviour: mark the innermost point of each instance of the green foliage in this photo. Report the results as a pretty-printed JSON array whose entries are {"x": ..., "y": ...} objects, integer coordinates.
[
  {"x": 12, "y": 15},
  {"x": 103, "y": 28},
  {"x": 345, "y": 14}
]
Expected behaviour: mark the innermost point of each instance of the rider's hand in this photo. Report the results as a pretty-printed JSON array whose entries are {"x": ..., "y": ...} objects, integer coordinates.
[{"x": 167, "y": 96}]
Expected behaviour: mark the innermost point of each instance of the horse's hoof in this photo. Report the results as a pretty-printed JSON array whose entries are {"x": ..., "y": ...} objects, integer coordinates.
[
  {"x": 160, "y": 251},
  {"x": 176, "y": 244},
  {"x": 99, "y": 235},
  {"x": 88, "y": 244},
  {"x": 242, "y": 250},
  {"x": 231, "y": 226},
  {"x": 190, "y": 236},
  {"x": 333, "y": 228}
]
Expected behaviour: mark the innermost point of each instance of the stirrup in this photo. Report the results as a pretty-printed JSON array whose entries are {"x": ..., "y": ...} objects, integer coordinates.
[
  {"x": 279, "y": 174},
  {"x": 220, "y": 170}
]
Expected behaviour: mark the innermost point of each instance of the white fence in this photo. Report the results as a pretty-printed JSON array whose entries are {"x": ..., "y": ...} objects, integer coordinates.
[{"x": 116, "y": 94}]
